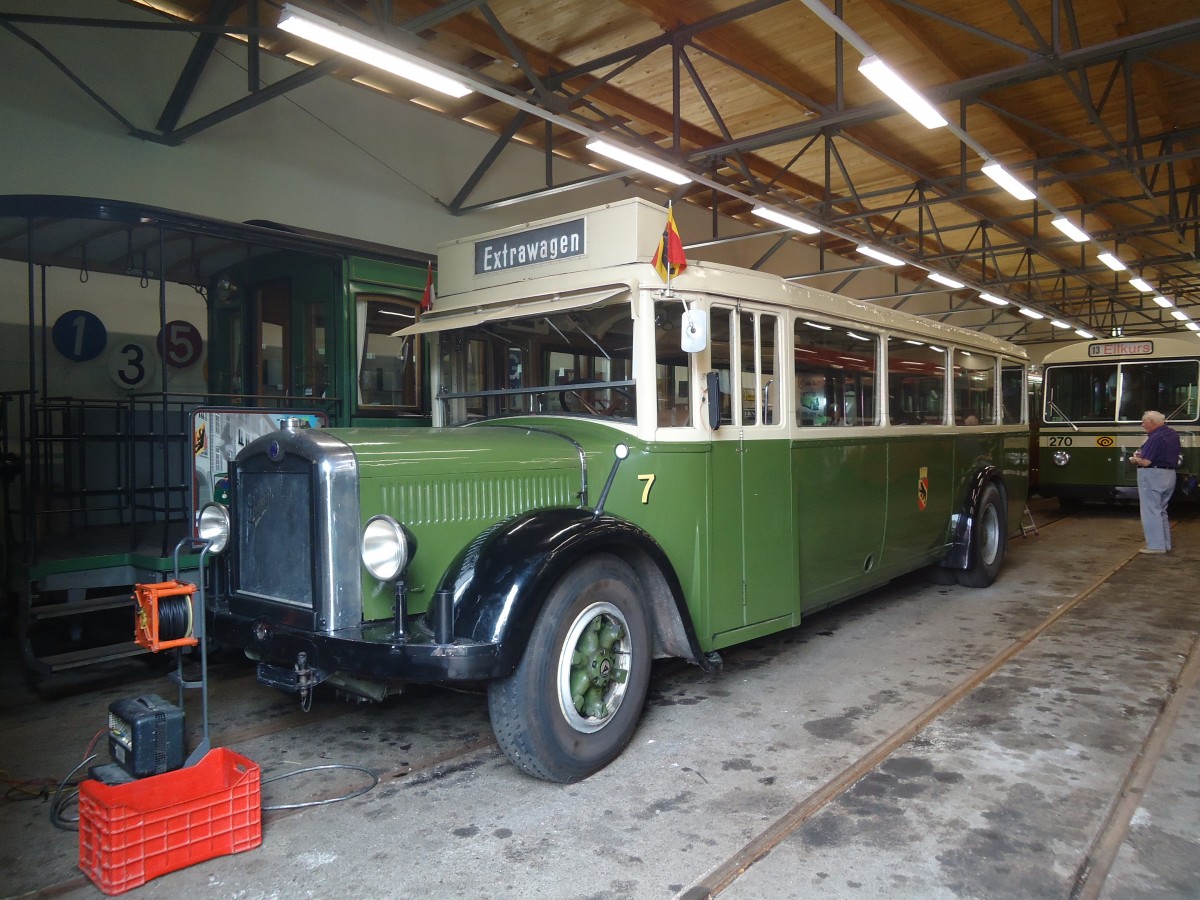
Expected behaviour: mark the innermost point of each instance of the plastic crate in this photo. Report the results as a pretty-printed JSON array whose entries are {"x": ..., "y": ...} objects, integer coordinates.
[{"x": 131, "y": 833}]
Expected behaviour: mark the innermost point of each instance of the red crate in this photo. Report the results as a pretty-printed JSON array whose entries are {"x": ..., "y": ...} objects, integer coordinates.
[{"x": 131, "y": 833}]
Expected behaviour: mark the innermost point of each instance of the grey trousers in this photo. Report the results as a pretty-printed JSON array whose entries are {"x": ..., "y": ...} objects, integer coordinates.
[{"x": 1155, "y": 487}]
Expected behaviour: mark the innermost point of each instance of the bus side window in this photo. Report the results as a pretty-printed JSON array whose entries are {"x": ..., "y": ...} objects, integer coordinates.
[
  {"x": 974, "y": 388},
  {"x": 916, "y": 382},
  {"x": 834, "y": 375}
]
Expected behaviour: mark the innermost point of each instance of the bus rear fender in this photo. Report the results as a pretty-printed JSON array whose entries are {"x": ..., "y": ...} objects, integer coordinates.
[
  {"x": 963, "y": 521},
  {"x": 501, "y": 580}
]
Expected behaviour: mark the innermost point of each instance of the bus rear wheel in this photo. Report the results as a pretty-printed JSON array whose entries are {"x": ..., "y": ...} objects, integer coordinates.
[
  {"x": 989, "y": 537},
  {"x": 574, "y": 700}
]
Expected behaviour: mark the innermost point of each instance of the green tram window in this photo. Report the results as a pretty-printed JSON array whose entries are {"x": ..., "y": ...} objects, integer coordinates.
[
  {"x": 835, "y": 375},
  {"x": 1012, "y": 393},
  {"x": 759, "y": 385},
  {"x": 974, "y": 388},
  {"x": 273, "y": 302},
  {"x": 916, "y": 382},
  {"x": 389, "y": 367}
]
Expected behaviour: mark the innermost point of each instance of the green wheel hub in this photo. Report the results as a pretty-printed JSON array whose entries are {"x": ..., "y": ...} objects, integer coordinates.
[{"x": 593, "y": 667}]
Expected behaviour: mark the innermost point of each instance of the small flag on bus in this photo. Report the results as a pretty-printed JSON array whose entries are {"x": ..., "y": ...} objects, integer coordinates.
[
  {"x": 430, "y": 294},
  {"x": 669, "y": 260}
]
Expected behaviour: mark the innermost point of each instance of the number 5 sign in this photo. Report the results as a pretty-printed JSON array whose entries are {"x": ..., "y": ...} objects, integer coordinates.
[{"x": 179, "y": 344}]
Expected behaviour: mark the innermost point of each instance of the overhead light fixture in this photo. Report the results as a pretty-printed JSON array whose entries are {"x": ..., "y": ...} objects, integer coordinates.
[
  {"x": 867, "y": 250},
  {"x": 1112, "y": 262},
  {"x": 1006, "y": 180},
  {"x": 818, "y": 325},
  {"x": 1142, "y": 285},
  {"x": 1086, "y": 335},
  {"x": 784, "y": 219},
  {"x": 1191, "y": 326},
  {"x": 946, "y": 280},
  {"x": 348, "y": 42},
  {"x": 1181, "y": 316},
  {"x": 858, "y": 337},
  {"x": 992, "y": 298},
  {"x": 886, "y": 79},
  {"x": 1057, "y": 323},
  {"x": 1163, "y": 301},
  {"x": 638, "y": 161},
  {"x": 1070, "y": 229},
  {"x": 1032, "y": 313}
]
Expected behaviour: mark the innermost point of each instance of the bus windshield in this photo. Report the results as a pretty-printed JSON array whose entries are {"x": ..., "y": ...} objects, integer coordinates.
[
  {"x": 573, "y": 362},
  {"x": 1121, "y": 392}
]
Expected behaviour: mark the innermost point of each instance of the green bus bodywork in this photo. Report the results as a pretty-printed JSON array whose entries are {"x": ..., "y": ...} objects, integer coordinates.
[{"x": 599, "y": 492}]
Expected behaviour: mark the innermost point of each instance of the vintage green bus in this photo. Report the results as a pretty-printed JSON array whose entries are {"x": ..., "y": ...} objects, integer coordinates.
[
  {"x": 1093, "y": 397},
  {"x": 619, "y": 471}
]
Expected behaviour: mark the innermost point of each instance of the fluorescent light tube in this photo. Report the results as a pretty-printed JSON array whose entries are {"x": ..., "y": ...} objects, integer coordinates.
[
  {"x": 1112, "y": 262},
  {"x": 784, "y": 219},
  {"x": 818, "y": 325},
  {"x": 1086, "y": 335},
  {"x": 886, "y": 79},
  {"x": 1006, "y": 180},
  {"x": 1032, "y": 313},
  {"x": 866, "y": 250},
  {"x": 1070, "y": 229},
  {"x": 1180, "y": 315},
  {"x": 946, "y": 280},
  {"x": 1163, "y": 302},
  {"x": 347, "y": 42},
  {"x": 1058, "y": 323},
  {"x": 1191, "y": 326},
  {"x": 992, "y": 298},
  {"x": 638, "y": 161},
  {"x": 1142, "y": 285}
]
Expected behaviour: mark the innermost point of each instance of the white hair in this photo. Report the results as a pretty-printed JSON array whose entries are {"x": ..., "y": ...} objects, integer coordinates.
[{"x": 1153, "y": 415}]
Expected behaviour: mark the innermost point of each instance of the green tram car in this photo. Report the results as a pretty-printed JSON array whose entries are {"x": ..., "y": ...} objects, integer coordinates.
[
  {"x": 619, "y": 471},
  {"x": 183, "y": 337},
  {"x": 1093, "y": 396}
]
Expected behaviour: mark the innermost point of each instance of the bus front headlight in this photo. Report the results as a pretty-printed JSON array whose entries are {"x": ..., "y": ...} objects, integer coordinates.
[
  {"x": 1061, "y": 457},
  {"x": 212, "y": 525},
  {"x": 387, "y": 547}
]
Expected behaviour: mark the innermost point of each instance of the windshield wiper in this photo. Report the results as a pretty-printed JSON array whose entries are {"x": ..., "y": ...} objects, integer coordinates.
[{"x": 1054, "y": 407}]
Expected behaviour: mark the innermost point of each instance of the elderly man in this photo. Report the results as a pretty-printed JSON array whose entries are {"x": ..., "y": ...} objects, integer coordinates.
[{"x": 1156, "y": 460}]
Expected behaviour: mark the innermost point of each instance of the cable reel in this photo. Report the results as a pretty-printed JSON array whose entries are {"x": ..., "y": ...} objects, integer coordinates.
[{"x": 164, "y": 618}]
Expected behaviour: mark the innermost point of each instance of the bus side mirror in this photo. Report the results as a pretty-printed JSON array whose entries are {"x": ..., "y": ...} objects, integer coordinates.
[
  {"x": 713, "y": 383},
  {"x": 693, "y": 331}
]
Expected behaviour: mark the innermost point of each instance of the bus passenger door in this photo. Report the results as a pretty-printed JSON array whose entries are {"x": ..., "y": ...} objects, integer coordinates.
[{"x": 754, "y": 580}]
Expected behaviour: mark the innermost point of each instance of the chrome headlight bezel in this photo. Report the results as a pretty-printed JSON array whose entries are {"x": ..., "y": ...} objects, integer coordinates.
[
  {"x": 213, "y": 526},
  {"x": 1061, "y": 457},
  {"x": 386, "y": 547}
]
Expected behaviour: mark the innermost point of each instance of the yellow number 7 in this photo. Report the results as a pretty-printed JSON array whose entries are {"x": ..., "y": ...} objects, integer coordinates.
[{"x": 649, "y": 479}]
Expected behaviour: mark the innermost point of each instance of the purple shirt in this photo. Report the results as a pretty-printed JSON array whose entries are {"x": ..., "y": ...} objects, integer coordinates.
[{"x": 1161, "y": 448}]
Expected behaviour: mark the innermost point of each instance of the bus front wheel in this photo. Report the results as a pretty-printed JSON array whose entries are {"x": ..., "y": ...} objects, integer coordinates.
[
  {"x": 989, "y": 537},
  {"x": 574, "y": 700}
]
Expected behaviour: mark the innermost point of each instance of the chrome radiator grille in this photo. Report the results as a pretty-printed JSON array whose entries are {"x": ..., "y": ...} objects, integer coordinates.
[{"x": 275, "y": 517}]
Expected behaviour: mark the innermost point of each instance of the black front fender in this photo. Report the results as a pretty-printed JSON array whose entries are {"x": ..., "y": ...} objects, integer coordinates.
[
  {"x": 500, "y": 582},
  {"x": 962, "y": 523}
]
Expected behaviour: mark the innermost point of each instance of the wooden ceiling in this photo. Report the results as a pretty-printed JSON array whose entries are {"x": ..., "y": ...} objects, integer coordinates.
[{"x": 1095, "y": 104}]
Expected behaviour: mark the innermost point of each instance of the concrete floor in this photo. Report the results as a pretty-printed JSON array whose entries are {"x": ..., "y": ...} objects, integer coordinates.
[{"x": 1059, "y": 761}]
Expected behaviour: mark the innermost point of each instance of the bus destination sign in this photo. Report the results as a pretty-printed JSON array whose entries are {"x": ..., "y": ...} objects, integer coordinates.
[
  {"x": 537, "y": 245},
  {"x": 1124, "y": 348}
]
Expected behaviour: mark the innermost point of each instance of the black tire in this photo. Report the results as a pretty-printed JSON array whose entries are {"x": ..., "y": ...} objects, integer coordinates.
[
  {"x": 535, "y": 711},
  {"x": 989, "y": 539},
  {"x": 940, "y": 575}
]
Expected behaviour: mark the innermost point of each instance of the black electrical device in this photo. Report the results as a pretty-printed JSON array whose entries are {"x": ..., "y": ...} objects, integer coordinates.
[{"x": 145, "y": 735}]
